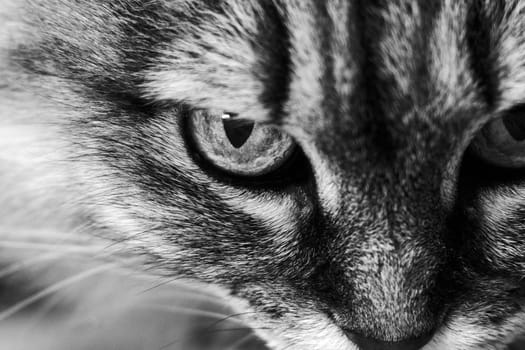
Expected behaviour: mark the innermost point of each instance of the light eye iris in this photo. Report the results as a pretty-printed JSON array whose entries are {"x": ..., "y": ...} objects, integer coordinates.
[
  {"x": 502, "y": 141},
  {"x": 239, "y": 147}
]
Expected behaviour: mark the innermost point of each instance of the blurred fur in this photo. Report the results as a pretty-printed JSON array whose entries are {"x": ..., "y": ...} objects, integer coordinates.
[{"x": 395, "y": 234}]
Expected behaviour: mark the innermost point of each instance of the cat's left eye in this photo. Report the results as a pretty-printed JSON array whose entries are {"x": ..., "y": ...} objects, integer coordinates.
[
  {"x": 239, "y": 147},
  {"x": 502, "y": 141}
]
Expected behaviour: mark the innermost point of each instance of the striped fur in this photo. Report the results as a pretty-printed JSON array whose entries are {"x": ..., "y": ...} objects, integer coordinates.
[{"x": 395, "y": 234}]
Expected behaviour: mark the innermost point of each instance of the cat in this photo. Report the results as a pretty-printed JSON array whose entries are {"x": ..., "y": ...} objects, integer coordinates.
[{"x": 347, "y": 174}]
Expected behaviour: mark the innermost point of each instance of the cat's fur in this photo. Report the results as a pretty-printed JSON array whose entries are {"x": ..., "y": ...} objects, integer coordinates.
[{"x": 395, "y": 234}]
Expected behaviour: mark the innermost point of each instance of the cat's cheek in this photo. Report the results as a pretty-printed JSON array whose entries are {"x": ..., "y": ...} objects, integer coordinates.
[
  {"x": 281, "y": 214},
  {"x": 501, "y": 232},
  {"x": 464, "y": 333}
]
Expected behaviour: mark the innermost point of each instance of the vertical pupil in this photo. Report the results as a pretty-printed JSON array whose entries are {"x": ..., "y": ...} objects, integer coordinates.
[
  {"x": 515, "y": 123},
  {"x": 237, "y": 131}
]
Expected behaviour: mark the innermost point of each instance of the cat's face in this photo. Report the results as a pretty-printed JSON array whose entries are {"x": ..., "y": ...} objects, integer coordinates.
[{"x": 364, "y": 218}]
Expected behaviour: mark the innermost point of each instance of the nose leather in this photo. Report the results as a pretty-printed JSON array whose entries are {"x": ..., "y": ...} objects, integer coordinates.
[{"x": 365, "y": 343}]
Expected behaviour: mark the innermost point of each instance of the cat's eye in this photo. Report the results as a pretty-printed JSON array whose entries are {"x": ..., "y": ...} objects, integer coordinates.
[
  {"x": 238, "y": 146},
  {"x": 502, "y": 141}
]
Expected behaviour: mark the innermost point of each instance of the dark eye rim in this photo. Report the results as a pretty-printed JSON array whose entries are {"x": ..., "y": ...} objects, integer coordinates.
[
  {"x": 508, "y": 118},
  {"x": 296, "y": 169},
  {"x": 482, "y": 173},
  {"x": 515, "y": 129}
]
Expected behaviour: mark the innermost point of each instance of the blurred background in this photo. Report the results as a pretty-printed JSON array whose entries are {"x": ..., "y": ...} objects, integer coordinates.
[{"x": 140, "y": 316}]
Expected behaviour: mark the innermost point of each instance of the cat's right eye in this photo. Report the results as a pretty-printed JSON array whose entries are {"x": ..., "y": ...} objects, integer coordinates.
[
  {"x": 502, "y": 141},
  {"x": 238, "y": 146}
]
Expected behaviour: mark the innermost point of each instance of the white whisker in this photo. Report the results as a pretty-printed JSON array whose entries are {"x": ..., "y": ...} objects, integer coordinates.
[
  {"x": 236, "y": 345},
  {"x": 178, "y": 294},
  {"x": 27, "y": 263},
  {"x": 52, "y": 289},
  {"x": 35, "y": 233},
  {"x": 170, "y": 282},
  {"x": 69, "y": 248},
  {"x": 195, "y": 312}
]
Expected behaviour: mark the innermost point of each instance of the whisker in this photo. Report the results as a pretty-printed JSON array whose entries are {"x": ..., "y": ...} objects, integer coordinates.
[
  {"x": 26, "y": 263},
  {"x": 240, "y": 329},
  {"x": 180, "y": 288},
  {"x": 158, "y": 285},
  {"x": 175, "y": 282},
  {"x": 52, "y": 289},
  {"x": 177, "y": 294},
  {"x": 8, "y": 231},
  {"x": 180, "y": 284},
  {"x": 193, "y": 312},
  {"x": 236, "y": 345},
  {"x": 236, "y": 329},
  {"x": 41, "y": 314},
  {"x": 227, "y": 318},
  {"x": 70, "y": 248},
  {"x": 36, "y": 236},
  {"x": 80, "y": 250},
  {"x": 176, "y": 289},
  {"x": 131, "y": 237}
]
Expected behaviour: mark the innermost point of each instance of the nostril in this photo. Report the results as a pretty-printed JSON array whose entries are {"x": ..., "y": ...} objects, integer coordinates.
[{"x": 365, "y": 343}]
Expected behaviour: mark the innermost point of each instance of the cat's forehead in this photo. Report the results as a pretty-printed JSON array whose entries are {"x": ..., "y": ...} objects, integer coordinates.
[
  {"x": 387, "y": 59},
  {"x": 302, "y": 59},
  {"x": 301, "y": 62},
  {"x": 393, "y": 71}
]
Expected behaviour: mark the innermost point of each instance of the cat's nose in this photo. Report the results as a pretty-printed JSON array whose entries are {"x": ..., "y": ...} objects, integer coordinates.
[{"x": 365, "y": 343}]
